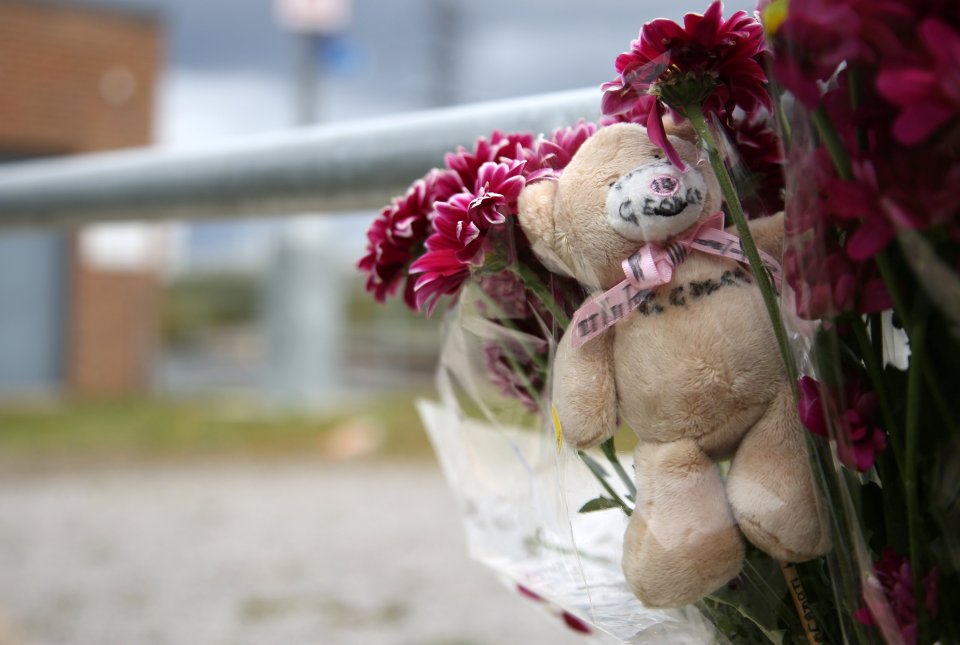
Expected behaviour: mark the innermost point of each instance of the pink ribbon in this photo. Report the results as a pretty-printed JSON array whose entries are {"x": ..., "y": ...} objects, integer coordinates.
[{"x": 653, "y": 266}]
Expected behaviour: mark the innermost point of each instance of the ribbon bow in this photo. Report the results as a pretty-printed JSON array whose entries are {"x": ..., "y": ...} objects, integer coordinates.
[{"x": 651, "y": 266}]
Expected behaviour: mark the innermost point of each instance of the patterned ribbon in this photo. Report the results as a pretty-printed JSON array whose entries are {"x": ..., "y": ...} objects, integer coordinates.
[{"x": 653, "y": 266}]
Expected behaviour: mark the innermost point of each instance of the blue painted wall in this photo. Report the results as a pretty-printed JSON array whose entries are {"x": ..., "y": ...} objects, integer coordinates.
[{"x": 33, "y": 308}]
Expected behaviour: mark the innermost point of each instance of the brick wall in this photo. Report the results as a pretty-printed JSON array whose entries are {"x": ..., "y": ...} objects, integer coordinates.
[{"x": 76, "y": 80}]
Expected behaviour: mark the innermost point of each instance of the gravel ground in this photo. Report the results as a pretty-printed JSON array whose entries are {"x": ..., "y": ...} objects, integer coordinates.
[{"x": 258, "y": 553}]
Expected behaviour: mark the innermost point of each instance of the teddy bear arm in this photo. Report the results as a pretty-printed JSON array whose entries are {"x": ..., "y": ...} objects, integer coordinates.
[
  {"x": 584, "y": 391},
  {"x": 768, "y": 234}
]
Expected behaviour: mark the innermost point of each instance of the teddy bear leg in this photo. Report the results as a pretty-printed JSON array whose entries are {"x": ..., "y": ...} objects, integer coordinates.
[
  {"x": 771, "y": 489},
  {"x": 682, "y": 542}
]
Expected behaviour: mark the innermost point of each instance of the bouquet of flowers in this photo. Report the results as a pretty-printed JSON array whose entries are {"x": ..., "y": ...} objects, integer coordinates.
[
  {"x": 872, "y": 134},
  {"x": 847, "y": 114}
]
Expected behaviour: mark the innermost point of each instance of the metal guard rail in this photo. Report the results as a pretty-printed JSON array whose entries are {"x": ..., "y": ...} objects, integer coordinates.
[{"x": 338, "y": 167}]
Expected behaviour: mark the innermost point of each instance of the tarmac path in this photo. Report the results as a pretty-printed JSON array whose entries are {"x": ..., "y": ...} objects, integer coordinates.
[{"x": 258, "y": 553}]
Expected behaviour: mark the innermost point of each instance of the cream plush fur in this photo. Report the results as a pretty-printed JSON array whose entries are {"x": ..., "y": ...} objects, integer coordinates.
[{"x": 696, "y": 373}]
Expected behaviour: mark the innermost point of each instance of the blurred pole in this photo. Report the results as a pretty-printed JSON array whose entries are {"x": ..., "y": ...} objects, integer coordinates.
[
  {"x": 445, "y": 23},
  {"x": 308, "y": 77},
  {"x": 305, "y": 315}
]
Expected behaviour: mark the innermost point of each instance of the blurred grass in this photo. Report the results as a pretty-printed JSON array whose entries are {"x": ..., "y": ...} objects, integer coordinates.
[
  {"x": 143, "y": 429},
  {"x": 197, "y": 303}
]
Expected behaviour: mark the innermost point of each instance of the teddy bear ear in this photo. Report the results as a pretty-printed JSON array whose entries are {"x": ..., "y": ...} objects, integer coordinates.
[{"x": 535, "y": 210}]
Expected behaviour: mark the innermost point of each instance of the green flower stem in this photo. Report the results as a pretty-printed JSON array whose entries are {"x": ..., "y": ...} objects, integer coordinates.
[
  {"x": 888, "y": 274},
  {"x": 695, "y": 114},
  {"x": 833, "y": 143},
  {"x": 512, "y": 326},
  {"x": 532, "y": 282},
  {"x": 610, "y": 452},
  {"x": 856, "y": 99},
  {"x": 876, "y": 338},
  {"x": 918, "y": 374},
  {"x": 876, "y": 379},
  {"x": 914, "y": 384},
  {"x": 601, "y": 477},
  {"x": 885, "y": 264}
]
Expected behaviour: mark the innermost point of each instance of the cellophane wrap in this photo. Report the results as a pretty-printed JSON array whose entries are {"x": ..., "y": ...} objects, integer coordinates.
[
  {"x": 520, "y": 490},
  {"x": 873, "y": 300}
]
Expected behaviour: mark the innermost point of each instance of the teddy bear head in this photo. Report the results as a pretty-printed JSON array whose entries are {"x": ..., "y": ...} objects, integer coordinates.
[{"x": 618, "y": 192}]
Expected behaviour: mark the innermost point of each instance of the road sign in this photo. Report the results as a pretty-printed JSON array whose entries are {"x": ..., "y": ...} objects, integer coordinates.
[{"x": 314, "y": 16}]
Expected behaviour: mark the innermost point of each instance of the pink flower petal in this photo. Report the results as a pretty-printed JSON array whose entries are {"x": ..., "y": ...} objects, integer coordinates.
[
  {"x": 919, "y": 120},
  {"x": 869, "y": 239},
  {"x": 658, "y": 136}
]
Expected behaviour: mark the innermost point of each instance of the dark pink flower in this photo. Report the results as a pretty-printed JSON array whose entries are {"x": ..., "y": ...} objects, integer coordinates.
[
  {"x": 648, "y": 111},
  {"x": 442, "y": 274},
  {"x": 397, "y": 234},
  {"x": 497, "y": 187},
  {"x": 458, "y": 216},
  {"x": 904, "y": 188},
  {"x": 461, "y": 227},
  {"x": 569, "y": 619},
  {"x": 499, "y": 147},
  {"x": 556, "y": 151},
  {"x": 873, "y": 209},
  {"x": 818, "y": 35},
  {"x": 928, "y": 94},
  {"x": 575, "y": 623},
  {"x": 895, "y": 574},
  {"x": 827, "y": 283},
  {"x": 761, "y": 162},
  {"x": 709, "y": 61},
  {"x": 858, "y": 438},
  {"x": 863, "y": 439},
  {"x": 511, "y": 368},
  {"x": 810, "y": 406}
]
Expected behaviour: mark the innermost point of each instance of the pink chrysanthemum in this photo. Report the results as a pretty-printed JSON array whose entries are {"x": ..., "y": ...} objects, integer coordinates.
[
  {"x": 499, "y": 147},
  {"x": 858, "y": 437},
  {"x": 457, "y": 216},
  {"x": 761, "y": 162},
  {"x": 709, "y": 61},
  {"x": 461, "y": 227},
  {"x": 895, "y": 574},
  {"x": 511, "y": 368},
  {"x": 556, "y": 151},
  {"x": 927, "y": 94},
  {"x": 498, "y": 185},
  {"x": 398, "y": 233}
]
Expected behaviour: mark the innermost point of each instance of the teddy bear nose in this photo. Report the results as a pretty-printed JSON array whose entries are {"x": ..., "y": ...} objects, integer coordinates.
[{"x": 665, "y": 185}]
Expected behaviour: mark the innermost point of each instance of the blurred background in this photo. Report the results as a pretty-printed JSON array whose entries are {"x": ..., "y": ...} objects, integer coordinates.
[{"x": 207, "y": 432}]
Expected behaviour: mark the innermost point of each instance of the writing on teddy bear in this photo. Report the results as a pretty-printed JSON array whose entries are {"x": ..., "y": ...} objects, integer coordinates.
[
  {"x": 649, "y": 302},
  {"x": 695, "y": 289}
]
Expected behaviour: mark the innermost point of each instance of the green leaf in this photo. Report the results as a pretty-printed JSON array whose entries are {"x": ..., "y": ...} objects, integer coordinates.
[
  {"x": 609, "y": 449},
  {"x": 598, "y": 504},
  {"x": 592, "y": 464}
]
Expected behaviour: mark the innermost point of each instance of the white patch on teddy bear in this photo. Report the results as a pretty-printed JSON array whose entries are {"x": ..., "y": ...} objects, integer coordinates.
[{"x": 655, "y": 201}]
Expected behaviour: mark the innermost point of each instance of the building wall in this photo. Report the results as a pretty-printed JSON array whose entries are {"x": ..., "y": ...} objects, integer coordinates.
[
  {"x": 75, "y": 80},
  {"x": 32, "y": 312}
]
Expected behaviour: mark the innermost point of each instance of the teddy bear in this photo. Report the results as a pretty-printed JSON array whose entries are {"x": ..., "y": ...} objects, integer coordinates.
[{"x": 692, "y": 368}]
